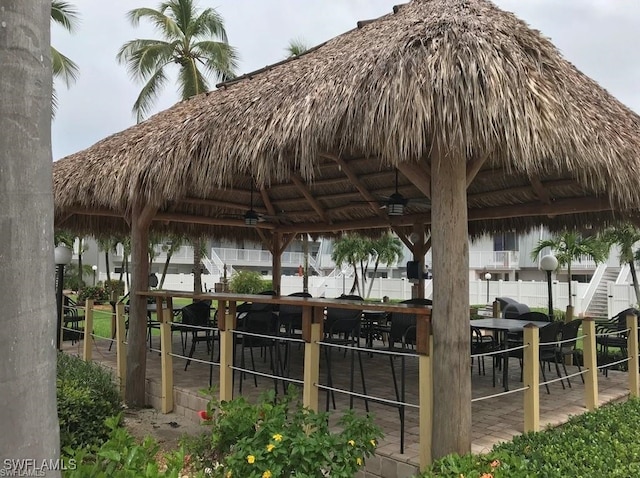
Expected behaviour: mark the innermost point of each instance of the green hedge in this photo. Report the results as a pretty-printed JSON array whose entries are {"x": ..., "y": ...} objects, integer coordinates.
[
  {"x": 87, "y": 396},
  {"x": 600, "y": 443}
]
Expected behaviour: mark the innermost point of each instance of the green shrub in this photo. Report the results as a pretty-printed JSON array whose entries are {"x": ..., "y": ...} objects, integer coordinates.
[
  {"x": 97, "y": 293},
  {"x": 121, "y": 456},
  {"x": 600, "y": 443},
  {"x": 278, "y": 437},
  {"x": 114, "y": 285},
  {"x": 246, "y": 282},
  {"x": 86, "y": 396}
]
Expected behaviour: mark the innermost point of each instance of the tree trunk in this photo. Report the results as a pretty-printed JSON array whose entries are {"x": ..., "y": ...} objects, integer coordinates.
[
  {"x": 106, "y": 261},
  {"x": 570, "y": 295},
  {"x": 634, "y": 278},
  {"x": 305, "y": 250},
  {"x": 80, "y": 271},
  {"x": 28, "y": 324},
  {"x": 137, "y": 347},
  {"x": 451, "y": 361},
  {"x": 197, "y": 266},
  {"x": 375, "y": 271},
  {"x": 165, "y": 268}
]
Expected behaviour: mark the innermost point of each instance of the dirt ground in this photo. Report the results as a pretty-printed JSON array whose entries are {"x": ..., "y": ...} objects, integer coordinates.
[{"x": 165, "y": 429}]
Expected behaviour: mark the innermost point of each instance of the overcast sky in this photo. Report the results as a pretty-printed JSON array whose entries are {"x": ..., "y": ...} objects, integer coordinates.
[{"x": 601, "y": 37}]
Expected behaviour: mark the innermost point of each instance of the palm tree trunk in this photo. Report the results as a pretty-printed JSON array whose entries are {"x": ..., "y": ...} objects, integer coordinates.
[
  {"x": 80, "y": 274},
  {"x": 106, "y": 261},
  {"x": 570, "y": 294},
  {"x": 28, "y": 372},
  {"x": 634, "y": 276},
  {"x": 165, "y": 268},
  {"x": 375, "y": 271},
  {"x": 197, "y": 266}
]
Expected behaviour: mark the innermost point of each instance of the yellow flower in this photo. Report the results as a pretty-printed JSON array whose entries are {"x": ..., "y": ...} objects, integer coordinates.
[
  {"x": 351, "y": 442},
  {"x": 251, "y": 459},
  {"x": 359, "y": 461},
  {"x": 270, "y": 446},
  {"x": 277, "y": 437},
  {"x": 486, "y": 475},
  {"x": 266, "y": 474},
  {"x": 373, "y": 442},
  {"x": 228, "y": 475}
]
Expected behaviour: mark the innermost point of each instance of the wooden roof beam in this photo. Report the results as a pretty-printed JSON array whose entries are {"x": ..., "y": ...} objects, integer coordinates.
[
  {"x": 302, "y": 187},
  {"x": 540, "y": 190},
  {"x": 211, "y": 221},
  {"x": 473, "y": 167},
  {"x": 359, "y": 185},
  {"x": 267, "y": 202},
  {"x": 418, "y": 176},
  {"x": 218, "y": 203}
]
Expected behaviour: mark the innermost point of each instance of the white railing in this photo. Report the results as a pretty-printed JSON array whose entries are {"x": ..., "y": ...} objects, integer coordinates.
[
  {"x": 593, "y": 285},
  {"x": 494, "y": 259}
]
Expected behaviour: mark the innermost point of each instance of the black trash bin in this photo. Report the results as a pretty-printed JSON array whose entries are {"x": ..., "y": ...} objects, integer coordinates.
[{"x": 511, "y": 308}]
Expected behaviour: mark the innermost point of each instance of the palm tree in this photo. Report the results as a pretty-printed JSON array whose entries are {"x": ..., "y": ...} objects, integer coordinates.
[
  {"x": 625, "y": 237},
  {"x": 195, "y": 41},
  {"x": 65, "y": 15},
  {"x": 296, "y": 47},
  {"x": 169, "y": 247},
  {"x": 28, "y": 320},
  {"x": 351, "y": 249},
  {"x": 387, "y": 249},
  {"x": 570, "y": 246}
]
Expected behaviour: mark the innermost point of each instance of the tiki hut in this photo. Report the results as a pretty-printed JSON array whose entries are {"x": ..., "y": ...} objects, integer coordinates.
[{"x": 476, "y": 111}]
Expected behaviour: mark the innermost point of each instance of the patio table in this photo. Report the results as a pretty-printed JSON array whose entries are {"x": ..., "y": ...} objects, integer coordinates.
[{"x": 503, "y": 327}]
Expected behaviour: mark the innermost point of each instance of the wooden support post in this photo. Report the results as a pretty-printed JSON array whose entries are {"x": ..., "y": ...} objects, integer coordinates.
[
  {"x": 531, "y": 378},
  {"x": 312, "y": 333},
  {"x": 227, "y": 338},
  {"x": 166, "y": 359},
  {"x": 276, "y": 261},
  {"x": 632, "y": 347},
  {"x": 121, "y": 347},
  {"x": 88, "y": 330},
  {"x": 425, "y": 398},
  {"x": 590, "y": 364}
]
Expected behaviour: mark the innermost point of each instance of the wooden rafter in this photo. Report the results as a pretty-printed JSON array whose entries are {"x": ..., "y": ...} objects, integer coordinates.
[
  {"x": 223, "y": 204},
  {"x": 418, "y": 176},
  {"x": 473, "y": 167},
  {"x": 212, "y": 221},
  {"x": 359, "y": 185},
  {"x": 297, "y": 180},
  {"x": 267, "y": 202},
  {"x": 540, "y": 190}
]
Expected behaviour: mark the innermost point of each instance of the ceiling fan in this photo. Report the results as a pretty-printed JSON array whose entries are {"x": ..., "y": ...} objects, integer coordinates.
[{"x": 396, "y": 203}]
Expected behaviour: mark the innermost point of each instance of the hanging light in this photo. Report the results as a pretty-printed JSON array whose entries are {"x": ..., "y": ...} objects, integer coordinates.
[
  {"x": 396, "y": 202},
  {"x": 251, "y": 218}
]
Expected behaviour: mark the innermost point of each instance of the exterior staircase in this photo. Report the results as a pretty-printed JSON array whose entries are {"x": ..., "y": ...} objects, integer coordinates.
[{"x": 599, "y": 305}]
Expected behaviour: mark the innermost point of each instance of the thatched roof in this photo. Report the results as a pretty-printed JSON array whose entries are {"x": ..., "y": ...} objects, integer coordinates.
[{"x": 322, "y": 133}]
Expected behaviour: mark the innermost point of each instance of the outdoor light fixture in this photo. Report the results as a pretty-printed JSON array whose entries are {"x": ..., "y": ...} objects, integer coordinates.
[
  {"x": 251, "y": 218},
  {"x": 549, "y": 263},
  {"x": 487, "y": 277},
  {"x": 395, "y": 206},
  {"x": 62, "y": 256},
  {"x": 94, "y": 268}
]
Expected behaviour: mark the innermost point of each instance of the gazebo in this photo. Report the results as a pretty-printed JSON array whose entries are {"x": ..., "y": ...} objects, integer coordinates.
[{"x": 452, "y": 101}]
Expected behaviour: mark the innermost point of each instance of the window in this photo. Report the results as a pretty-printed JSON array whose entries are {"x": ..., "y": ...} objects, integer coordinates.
[{"x": 507, "y": 241}]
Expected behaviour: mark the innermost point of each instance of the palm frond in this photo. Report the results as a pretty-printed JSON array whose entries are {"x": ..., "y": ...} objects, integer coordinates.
[
  {"x": 220, "y": 59},
  {"x": 149, "y": 94},
  {"x": 163, "y": 23},
  {"x": 191, "y": 81},
  {"x": 208, "y": 24},
  {"x": 144, "y": 57},
  {"x": 296, "y": 47},
  {"x": 63, "y": 68},
  {"x": 65, "y": 15}
]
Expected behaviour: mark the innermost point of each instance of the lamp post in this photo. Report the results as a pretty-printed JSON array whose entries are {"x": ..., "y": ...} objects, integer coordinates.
[
  {"x": 94, "y": 268},
  {"x": 62, "y": 256},
  {"x": 549, "y": 263},
  {"x": 487, "y": 277}
]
